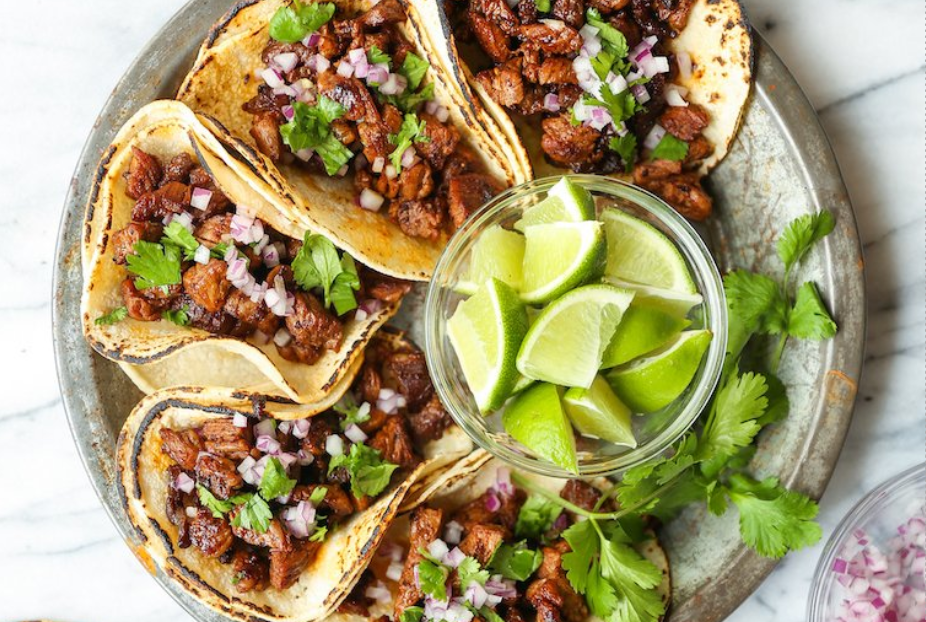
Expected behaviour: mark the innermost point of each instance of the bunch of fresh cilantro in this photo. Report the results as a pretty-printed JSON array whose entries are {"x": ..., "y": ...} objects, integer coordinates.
[{"x": 710, "y": 464}]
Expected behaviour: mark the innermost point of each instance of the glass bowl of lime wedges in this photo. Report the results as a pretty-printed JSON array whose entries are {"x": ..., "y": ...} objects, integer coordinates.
[{"x": 575, "y": 326}]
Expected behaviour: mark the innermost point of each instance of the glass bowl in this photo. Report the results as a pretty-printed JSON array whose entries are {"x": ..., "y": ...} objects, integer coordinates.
[
  {"x": 875, "y": 518},
  {"x": 654, "y": 432}
]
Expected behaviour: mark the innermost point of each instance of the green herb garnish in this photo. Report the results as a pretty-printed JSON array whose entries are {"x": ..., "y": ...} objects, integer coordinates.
[
  {"x": 116, "y": 315},
  {"x": 310, "y": 128},
  {"x": 292, "y": 23},
  {"x": 318, "y": 265},
  {"x": 369, "y": 473}
]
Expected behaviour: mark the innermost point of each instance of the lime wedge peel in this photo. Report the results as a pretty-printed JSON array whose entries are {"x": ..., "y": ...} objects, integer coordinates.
[
  {"x": 565, "y": 202},
  {"x": 559, "y": 257},
  {"x": 645, "y": 327},
  {"x": 498, "y": 253},
  {"x": 535, "y": 418},
  {"x": 598, "y": 413}
]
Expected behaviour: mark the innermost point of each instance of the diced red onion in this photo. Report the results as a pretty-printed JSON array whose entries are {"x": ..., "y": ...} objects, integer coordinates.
[
  {"x": 408, "y": 157},
  {"x": 378, "y": 163},
  {"x": 378, "y": 74},
  {"x": 301, "y": 428},
  {"x": 268, "y": 445},
  {"x": 286, "y": 61},
  {"x": 200, "y": 198},
  {"x": 394, "y": 571},
  {"x": 261, "y": 244},
  {"x": 287, "y": 459},
  {"x": 395, "y": 84},
  {"x": 300, "y": 519},
  {"x": 371, "y": 200},
  {"x": 476, "y": 594},
  {"x": 362, "y": 70},
  {"x": 279, "y": 301},
  {"x": 284, "y": 427},
  {"x": 305, "y": 154},
  {"x": 391, "y": 173},
  {"x": 345, "y": 69},
  {"x": 190, "y": 511},
  {"x": 389, "y": 401},
  {"x": 334, "y": 445},
  {"x": 286, "y": 90},
  {"x": 266, "y": 427},
  {"x": 655, "y": 135},
  {"x": 304, "y": 458},
  {"x": 640, "y": 93},
  {"x": 272, "y": 77},
  {"x": 201, "y": 255},
  {"x": 258, "y": 291},
  {"x": 438, "y": 548},
  {"x": 311, "y": 40},
  {"x": 497, "y": 586},
  {"x": 442, "y": 114},
  {"x": 270, "y": 254},
  {"x": 492, "y": 503},
  {"x": 184, "y": 483},
  {"x": 321, "y": 63},
  {"x": 282, "y": 338},
  {"x": 453, "y": 532},
  {"x": 288, "y": 112},
  {"x": 378, "y": 592},
  {"x": 342, "y": 171},
  {"x": 684, "y": 65},
  {"x": 240, "y": 420},
  {"x": 355, "y": 434},
  {"x": 600, "y": 117},
  {"x": 588, "y": 32},
  {"x": 431, "y": 107},
  {"x": 392, "y": 550},
  {"x": 357, "y": 55},
  {"x": 616, "y": 82},
  {"x": 561, "y": 522},
  {"x": 503, "y": 482},
  {"x": 674, "y": 96},
  {"x": 241, "y": 228},
  {"x": 454, "y": 557},
  {"x": 249, "y": 471},
  {"x": 185, "y": 220},
  {"x": 371, "y": 305}
]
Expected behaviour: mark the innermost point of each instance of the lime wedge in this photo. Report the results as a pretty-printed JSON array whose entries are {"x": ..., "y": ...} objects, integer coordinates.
[
  {"x": 651, "y": 383},
  {"x": 565, "y": 202},
  {"x": 645, "y": 327},
  {"x": 598, "y": 412},
  {"x": 567, "y": 340},
  {"x": 559, "y": 257},
  {"x": 673, "y": 303},
  {"x": 498, "y": 253},
  {"x": 522, "y": 383},
  {"x": 640, "y": 253},
  {"x": 535, "y": 418},
  {"x": 485, "y": 332}
]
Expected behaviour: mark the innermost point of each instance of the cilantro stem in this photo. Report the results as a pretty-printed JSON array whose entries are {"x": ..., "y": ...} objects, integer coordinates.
[{"x": 779, "y": 351}]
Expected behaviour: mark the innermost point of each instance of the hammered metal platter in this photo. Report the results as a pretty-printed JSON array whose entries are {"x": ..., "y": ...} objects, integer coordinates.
[{"x": 780, "y": 166}]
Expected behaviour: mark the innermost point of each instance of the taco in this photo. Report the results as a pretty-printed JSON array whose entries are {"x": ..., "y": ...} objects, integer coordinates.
[
  {"x": 263, "y": 516},
  {"x": 648, "y": 90},
  {"x": 483, "y": 548},
  {"x": 344, "y": 108},
  {"x": 192, "y": 278}
]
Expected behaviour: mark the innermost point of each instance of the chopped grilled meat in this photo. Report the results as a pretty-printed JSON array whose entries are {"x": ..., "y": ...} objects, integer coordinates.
[
  {"x": 370, "y": 383},
  {"x": 350, "y": 93},
  {"x": 219, "y": 323},
  {"x": 581, "y": 494},
  {"x": 513, "y": 614},
  {"x": 698, "y": 149},
  {"x": 441, "y": 141},
  {"x": 463, "y": 160},
  {"x": 551, "y": 568},
  {"x": 481, "y": 541},
  {"x": 320, "y": 428},
  {"x": 424, "y": 528},
  {"x": 384, "y": 12},
  {"x": 124, "y": 240},
  {"x": 223, "y": 438},
  {"x": 569, "y": 145},
  {"x": 287, "y": 565},
  {"x": 551, "y": 39},
  {"x": 491, "y": 37},
  {"x": 138, "y": 306},
  {"x": 211, "y": 535},
  {"x": 330, "y": 44},
  {"x": 383, "y": 287},
  {"x": 312, "y": 325},
  {"x": 275, "y": 538},
  {"x": 476, "y": 513},
  {"x": 179, "y": 167},
  {"x": 408, "y": 373},
  {"x": 544, "y": 596},
  {"x": 257, "y": 314},
  {"x": 570, "y": 11},
  {"x": 416, "y": 183},
  {"x": 569, "y": 94},
  {"x": 624, "y": 22},
  {"x": 219, "y": 475},
  {"x": 394, "y": 442},
  {"x": 214, "y": 229},
  {"x": 218, "y": 202},
  {"x": 429, "y": 423},
  {"x": 252, "y": 571},
  {"x": 418, "y": 219},
  {"x": 527, "y": 11},
  {"x": 206, "y": 284},
  {"x": 183, "y": 446},
  {"x": 685, "y": 194},
  {"x": 376, "y": 421},
  {"x": 467, "y": 193},
  {"x": 505, "y": 83},
  {"x": 171, "y": 198},
  {"x": 499, "y": 12},
  {"x": 647, "y": 173},
  {"x": 374, "y": 136},
  {"x": 344, "y": 131},
  {"x": 336, "y": 501},
  {"x": 685, "y": 122},
  {"x": 265, "y": 130},
  {"x": 608, "y": 6},
  {"x": 144, "y": 175},
  {"x": 175, "y": 507},
  {"x": 303, "y": 54},
  {"x": 266, "y": 101},
  {"x": 557, "y": 70}
]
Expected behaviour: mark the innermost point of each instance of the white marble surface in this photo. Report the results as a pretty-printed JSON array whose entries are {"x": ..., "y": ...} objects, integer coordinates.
[{"x": 861, "y": 62}]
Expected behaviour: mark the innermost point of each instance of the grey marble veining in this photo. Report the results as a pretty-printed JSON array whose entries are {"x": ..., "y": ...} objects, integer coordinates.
[{"x": 860, "y": 61}]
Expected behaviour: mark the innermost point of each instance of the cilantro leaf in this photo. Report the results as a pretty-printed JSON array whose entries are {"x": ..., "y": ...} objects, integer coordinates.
[
  {"x": 433, "y": 579},
  {"x": 274, "y": 482},
  {"x": 351, "y": 411},
  {"x": 155, "y": 265},
  {"x": 615, "y": 39},
  {"x": 536, "y": 516},
  {"x": 411, "y": 614},
  {"x": 218, "y": 507},
  {"x": 177, "y": 316},
  {"x": 292, "y": 23},
  {"x": 773, "y": 520},
  {"x": 319, "y": 534},
  {"x": 542, "y": 5},
  {"x": 116, "y": 315},
  {"x": 626, "y": 148},
  {"x": 318, "y": 265},
  {"x": 376, "y": 56},
  {"x": 670, "y": 148},
  {"x": 310, "y": 128},
  {"x": 253, "y": 512},
  {"x": 469, "y": 571},
  {"x": 411, "y": 131},
  {"x": 809, "y": 318},
  {"x": 318, "y": 495},
  {"x": 756, "y": 301},
  {"x": 584, "y": 542},
  {"x": 369, "y": 473},
  {"x": 801, "y": 235},
  {"x": 621, "y": 106},
  {"x": 180, "y": 236},
  {"x": 732, "y": 421},
  {"x": 414, "y": 69},
  {"x": 515, "y": 561},
  {"x": 409, "y": 101}
]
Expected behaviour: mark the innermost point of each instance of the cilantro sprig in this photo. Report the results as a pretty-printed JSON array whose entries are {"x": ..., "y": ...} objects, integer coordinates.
[
  {"x": 369, "y": 472},
  {"x": 310, "y": 128},
  {"x": 411, "y": 131},
  {"x": 318, "y": 265},
  {"x": 155, "y": 265},
  {"x": 113, "y": 317},
  {"x": 292, "y": 23}
]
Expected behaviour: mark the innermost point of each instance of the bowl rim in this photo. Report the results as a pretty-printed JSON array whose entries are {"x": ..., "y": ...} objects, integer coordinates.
[{"x": 705, "y": 272}]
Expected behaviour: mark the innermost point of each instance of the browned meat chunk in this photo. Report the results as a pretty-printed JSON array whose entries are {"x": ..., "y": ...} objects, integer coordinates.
[
  {"x": 482, "y": 540},
  {"x": 416, "y": 183},
  {"x": 419, "y": 219},
  {"x": 385, "y": 12},
  {"x": 211, "y": 535},
  {"x": 251, "y": 570},
  {"x": 320, "y": 428},
  {"x": 219, "y": 475},
  {"x": 581, "y": 494},
  {"x": 175, "y": 507},
  {"x": 257, "y": 314},
  {"x": 223, "y": 438},
  {"x": 608, "y": 6},
  {"x": 498, "y": 12},
  {"x": 303, "y": 54},
  {"x": 265, "y": 102},
  {"x": 424, "y": 528},
  {"x": 546, "y": 599},
  {"x": 557, "y": 70},
  {"x": 179, "y": 167},
  {"x": 408, "y": 373},
  {"x": 504, "y": 84},
  {"x": 429, "y": 423},
  {"x": 467, "y": 193},
  {"x": 287, "y": 565},
  {"x": 551, "y": 39},
  {"x": 213, "y": 230},
  {"x": 441, "y": 141},
  {"x": 218, "y": 202},
  {"x": 370, "y": 383},
  {"x": 698, "y": 149},
  {"x": 527, "y": 11},
  {"x": 350, "y": 93},
  {"x": 275, "y": 538},
  {"x": 685, "y": 122},
  {"x": 171, "y": 198},
  {"x": 138, "y": 306},
  {"x": 383, "y": 287},
  {"x": 625, "y": 23},
  {"x": 494, "y": 41},
  {"x": 312, "y": 325},
  {"x": 183, "y": 446},
  {"x": 124, "y": 240},
  {"x": 336, "y": 501},
  {"x": 551, "y": 568},
  {"x": 647, "y": 173},
  {"x": 144, "y": 174},
  {"x": 206, "y": 284},
  {"x": 265, "y": 130},
  {"x": 394, "y": 443},
  {"x": 685, "y": 194},
  {"x": 374, "y": 137},
  {"x": 570, "y": 145},
  {"x": 219, "y": 323},
  {"x": 307, "y": 355},
  {"x": 570, "y": 11},
  {"x": 513, "y": 614}
]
